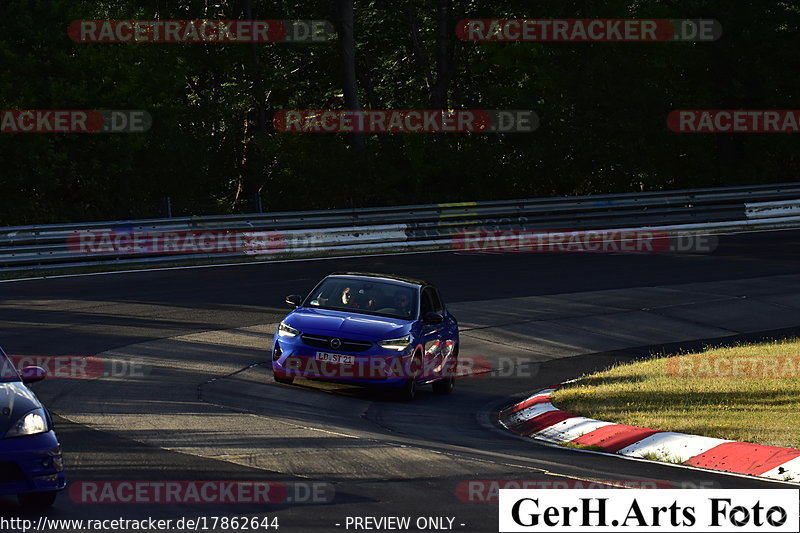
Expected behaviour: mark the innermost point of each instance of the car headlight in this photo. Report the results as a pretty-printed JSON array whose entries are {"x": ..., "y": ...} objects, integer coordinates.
[
  {"x": 399, "y": 344},
  {"x": 285, "y": 330},
  {"x": 32, "y": 423}
]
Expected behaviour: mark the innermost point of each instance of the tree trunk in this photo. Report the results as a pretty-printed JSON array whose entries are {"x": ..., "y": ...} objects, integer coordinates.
[
  {"x": 347, "y": 47},
  {"x": 438, "y": 94},
  {"x": 253, "y": 159}
]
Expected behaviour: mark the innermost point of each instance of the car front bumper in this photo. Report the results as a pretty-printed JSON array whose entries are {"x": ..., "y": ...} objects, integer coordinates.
[
  {"x": 374, "y": 367},
  {"x": 31, "y": 464}
]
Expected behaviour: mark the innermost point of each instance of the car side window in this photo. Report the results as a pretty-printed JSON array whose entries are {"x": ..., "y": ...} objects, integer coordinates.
[
  {"x": 431, "y": 301},
  {"x": 427, "y": 304},
  {"x": 435, "y": 300}
]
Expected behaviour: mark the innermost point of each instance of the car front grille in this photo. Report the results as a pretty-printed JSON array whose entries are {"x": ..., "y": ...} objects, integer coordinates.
[
  {"x": 348, "y": 345},
  {"x": 10, "y": 472}
]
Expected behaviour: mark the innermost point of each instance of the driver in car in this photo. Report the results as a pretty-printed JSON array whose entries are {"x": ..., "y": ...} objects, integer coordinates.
[
  {"x": 401, "y": 303},
  {"x": 347, "y": 298}
]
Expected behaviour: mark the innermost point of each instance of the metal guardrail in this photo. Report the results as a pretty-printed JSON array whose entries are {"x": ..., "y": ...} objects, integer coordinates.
[{"x": 329, "y": 233}]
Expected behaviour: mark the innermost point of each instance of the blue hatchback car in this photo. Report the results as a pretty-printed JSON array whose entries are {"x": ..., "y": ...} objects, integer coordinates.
[
  {"x": 31, "y": 464},
  {"x": 369, "y": 329}
]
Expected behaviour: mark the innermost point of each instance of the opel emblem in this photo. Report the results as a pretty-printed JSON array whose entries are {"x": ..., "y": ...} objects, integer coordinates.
[{"x": 336, "y": 343}]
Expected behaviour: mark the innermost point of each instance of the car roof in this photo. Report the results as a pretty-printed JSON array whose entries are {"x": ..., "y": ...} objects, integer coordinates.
[{"x": 391, "y": 277}]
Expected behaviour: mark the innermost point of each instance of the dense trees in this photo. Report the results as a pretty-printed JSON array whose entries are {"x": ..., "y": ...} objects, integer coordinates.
[{"x": 212, "y": 147}]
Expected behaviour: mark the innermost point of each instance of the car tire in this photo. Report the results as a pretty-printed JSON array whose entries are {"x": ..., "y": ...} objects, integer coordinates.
[
  {"x": 37, "y": 499},
  {"x": 409, "y": 389},
  {"x": 446, "y": 385},
  {"x": 286, "y": 380},
  {"x": 279, "y": 377}
]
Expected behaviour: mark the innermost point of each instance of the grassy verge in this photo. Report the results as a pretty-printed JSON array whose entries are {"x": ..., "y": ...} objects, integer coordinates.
[{"x": 747, "y": 393}]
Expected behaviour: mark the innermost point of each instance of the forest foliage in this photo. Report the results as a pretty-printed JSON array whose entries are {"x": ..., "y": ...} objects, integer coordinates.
[{"x": 212, "y": 147}]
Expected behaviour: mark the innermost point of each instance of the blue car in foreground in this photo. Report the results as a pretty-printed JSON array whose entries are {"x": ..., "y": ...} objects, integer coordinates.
[
  {"x": 31, "y": 464},
  {"x": 369, "y": 329}
]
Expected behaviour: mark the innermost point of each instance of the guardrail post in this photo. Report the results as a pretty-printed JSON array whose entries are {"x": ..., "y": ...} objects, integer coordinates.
[{"x": 168, "y": 206}]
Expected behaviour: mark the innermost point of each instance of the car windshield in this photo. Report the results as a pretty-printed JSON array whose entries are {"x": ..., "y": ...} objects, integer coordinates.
[
  {"x": 7, "y": 370},
  {"x": 367, "y": 296}
]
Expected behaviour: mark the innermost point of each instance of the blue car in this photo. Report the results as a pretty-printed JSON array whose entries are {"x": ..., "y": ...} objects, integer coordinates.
[
  {"x": 369, "y": 329},
  {"x": 31, "y": 465}
]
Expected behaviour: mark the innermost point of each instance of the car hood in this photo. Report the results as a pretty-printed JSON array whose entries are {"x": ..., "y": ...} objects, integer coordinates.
[
  {"x": 16, "y": 400},
  {"x": 344, "y": 324}
]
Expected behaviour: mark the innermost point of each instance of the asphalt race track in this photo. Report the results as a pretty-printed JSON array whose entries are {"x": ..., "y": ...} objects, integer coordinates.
[{"x": 202, "y": 408}]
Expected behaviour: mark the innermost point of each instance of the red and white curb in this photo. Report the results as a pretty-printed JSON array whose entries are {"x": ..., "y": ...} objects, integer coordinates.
[{"x": 537, "y": 418}]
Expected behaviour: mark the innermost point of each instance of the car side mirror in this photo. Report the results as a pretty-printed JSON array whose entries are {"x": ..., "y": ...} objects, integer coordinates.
[
  {"x": 294, "y": 300},
  {"x": 431, "y": 318},
  {"x": 32, "y": 374}
]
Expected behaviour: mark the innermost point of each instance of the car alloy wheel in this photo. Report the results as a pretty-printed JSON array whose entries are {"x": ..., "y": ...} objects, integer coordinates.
[
  {"x": 444, "y": 386},
  {"x": 409, "y": 390}
]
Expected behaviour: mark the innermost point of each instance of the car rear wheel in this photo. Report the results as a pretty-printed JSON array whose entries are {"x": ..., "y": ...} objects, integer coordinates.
[{"x": 37, "y": 499}]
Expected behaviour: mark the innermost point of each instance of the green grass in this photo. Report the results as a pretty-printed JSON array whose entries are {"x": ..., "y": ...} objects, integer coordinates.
[
  {"x": 663, "y": 456},
  {"x": 747, "y": 393},
  {"x": 582, "y": 446}
]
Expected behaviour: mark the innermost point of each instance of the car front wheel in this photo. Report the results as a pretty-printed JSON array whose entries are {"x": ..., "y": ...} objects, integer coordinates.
[
  {"x": 445, "y": 386},
  {"x": 282, "y": 378},
  {"x": 409, "y": 389}
]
